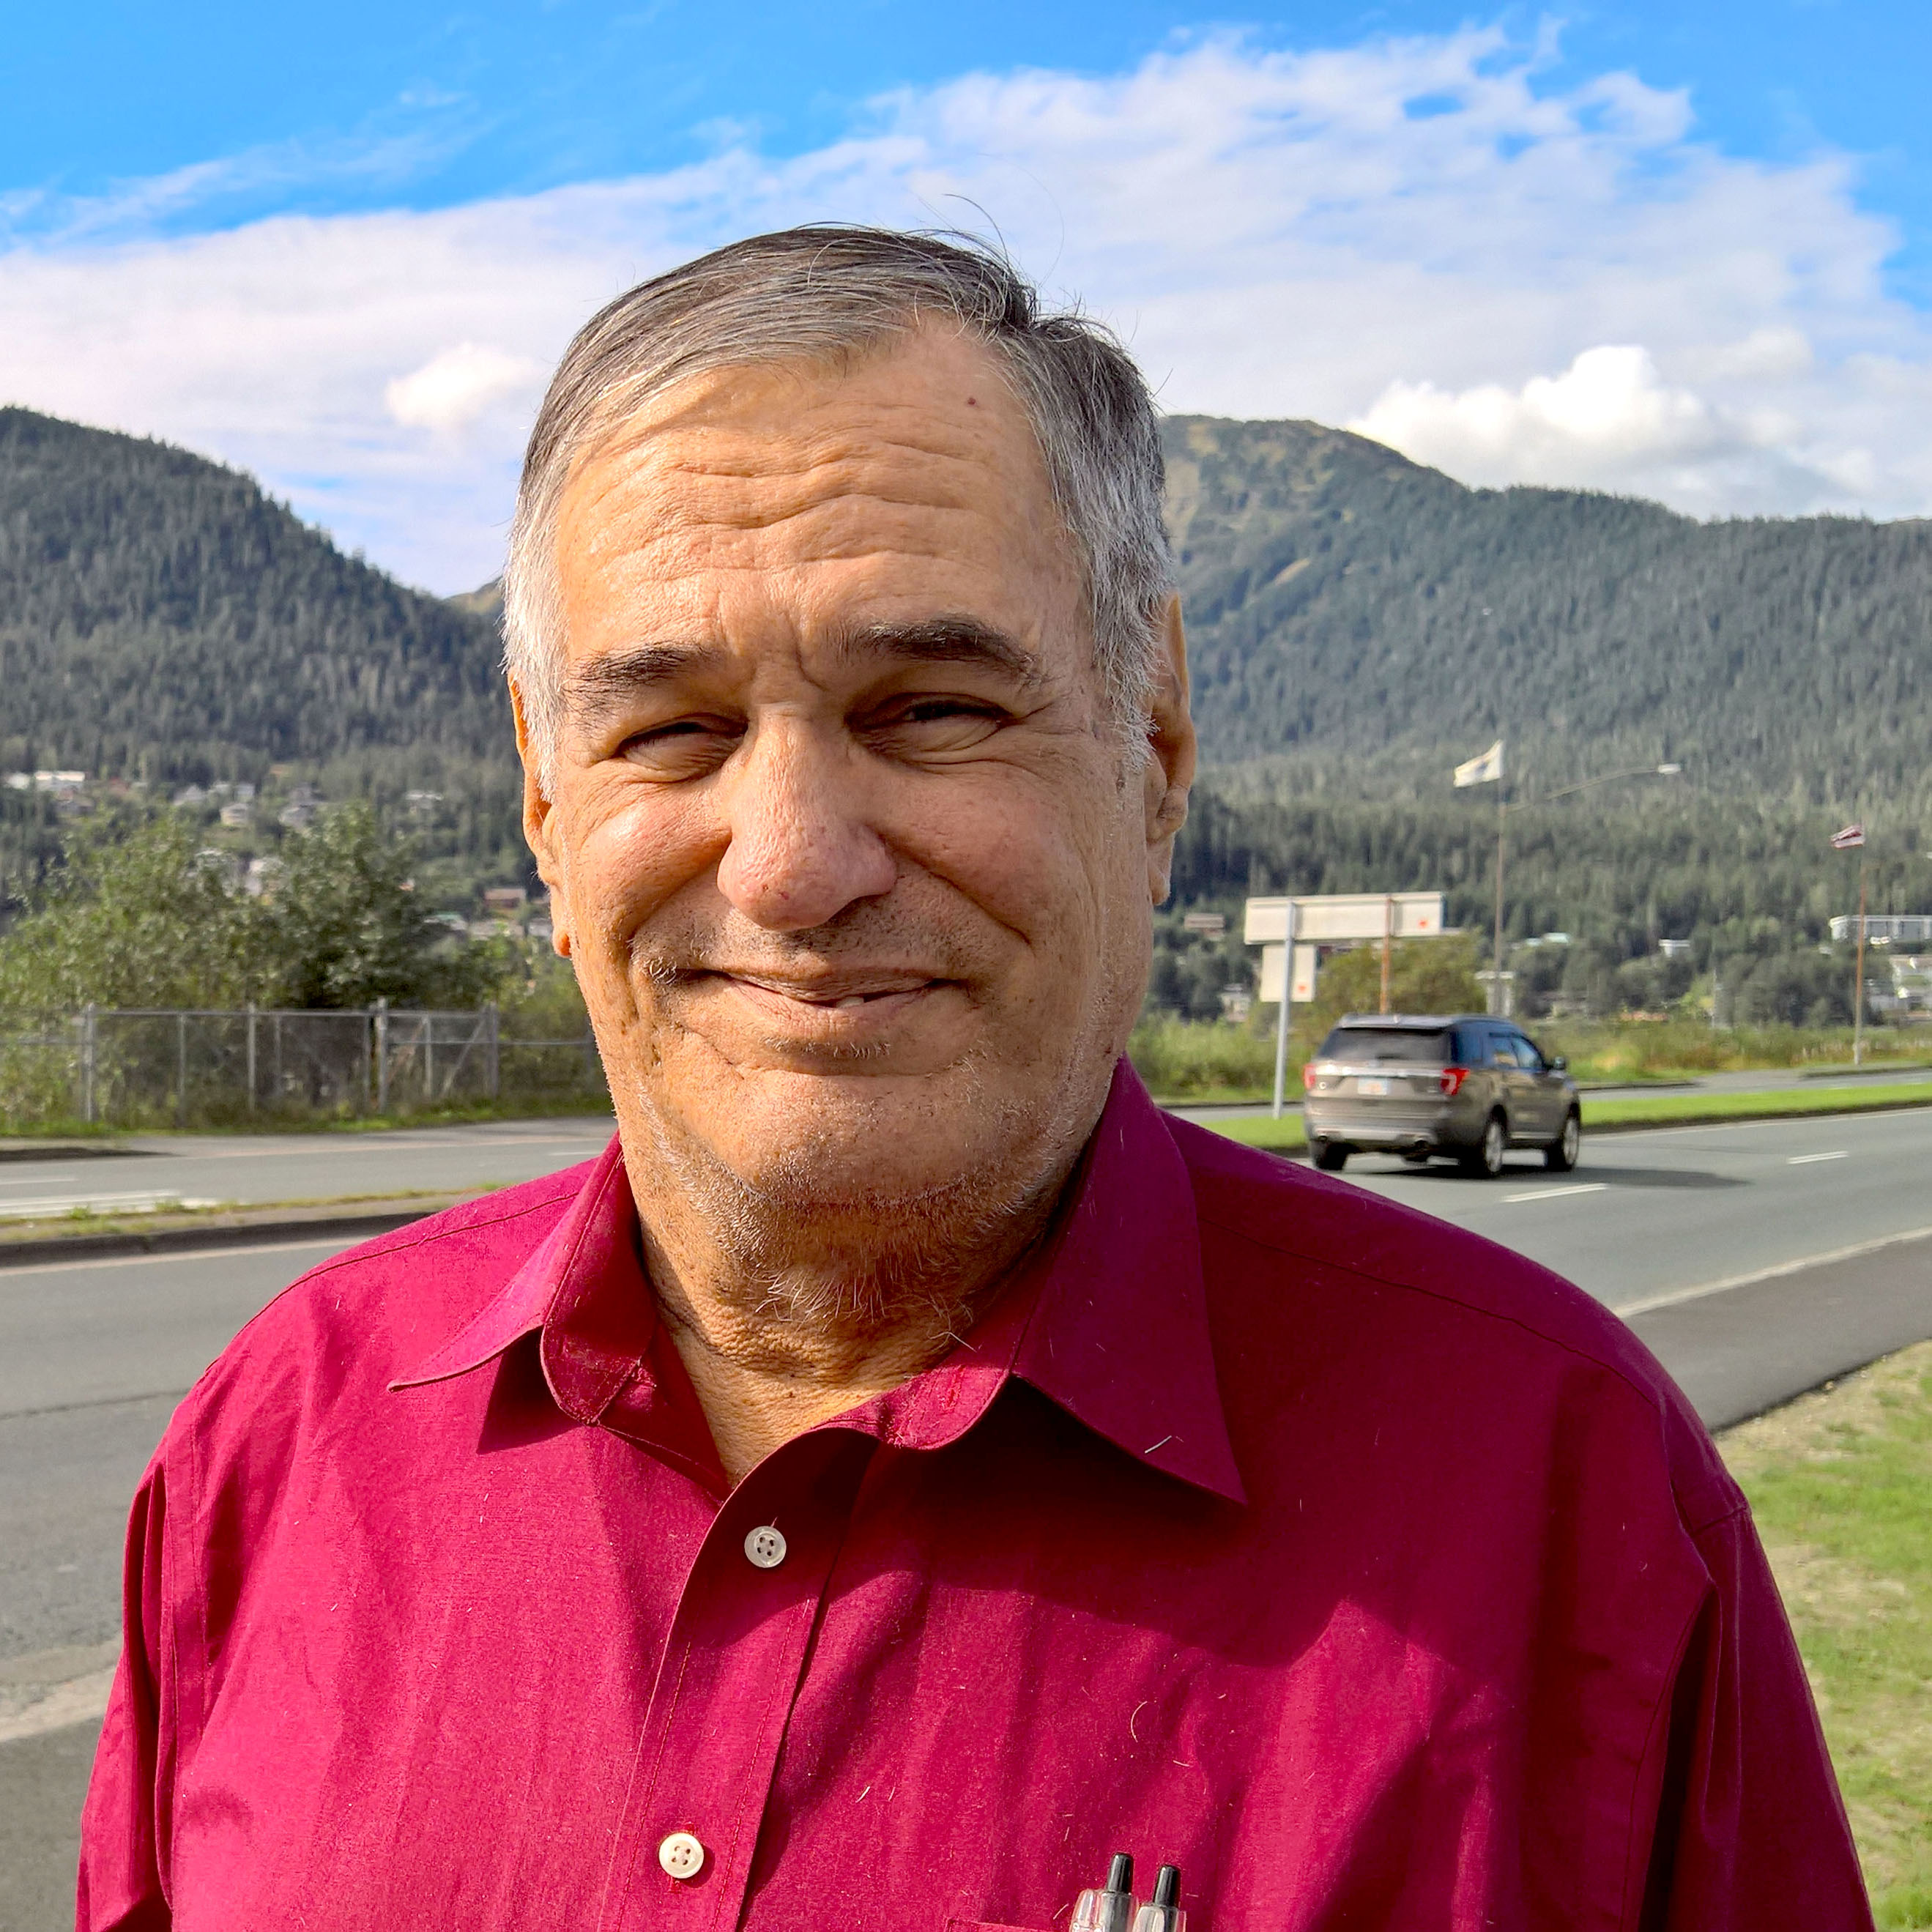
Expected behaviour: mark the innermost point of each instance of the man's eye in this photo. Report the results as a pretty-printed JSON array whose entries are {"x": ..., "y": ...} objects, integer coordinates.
[
  {"x": 938, "y": 710},
  {"x": 683, "y": 745},
  {"x": 942, "y": 714}
]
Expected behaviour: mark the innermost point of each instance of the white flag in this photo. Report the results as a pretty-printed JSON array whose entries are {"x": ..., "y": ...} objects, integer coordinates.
[{"x": 1486, "y": 770}]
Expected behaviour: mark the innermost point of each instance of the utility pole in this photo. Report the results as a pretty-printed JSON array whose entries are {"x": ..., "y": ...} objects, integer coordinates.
[
  {"x": 1853, "y": 839},
  {"x": 1858, "y": 975}
]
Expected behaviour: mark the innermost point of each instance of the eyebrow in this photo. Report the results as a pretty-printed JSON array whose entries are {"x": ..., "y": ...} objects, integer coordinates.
[
  {"x": 950, "y": 639},
  {"x": 603, "y": 686}
]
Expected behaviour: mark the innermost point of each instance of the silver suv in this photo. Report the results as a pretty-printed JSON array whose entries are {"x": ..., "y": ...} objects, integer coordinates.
[{"x": 1419, "y": 1085}]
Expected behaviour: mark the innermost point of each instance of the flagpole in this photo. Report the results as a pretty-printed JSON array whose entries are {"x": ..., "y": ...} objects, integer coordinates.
[{"x": 1858, "y": 975}]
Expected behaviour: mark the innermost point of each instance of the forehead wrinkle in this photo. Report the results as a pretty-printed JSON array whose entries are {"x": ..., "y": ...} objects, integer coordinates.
[{"x": 685, "y": 492}]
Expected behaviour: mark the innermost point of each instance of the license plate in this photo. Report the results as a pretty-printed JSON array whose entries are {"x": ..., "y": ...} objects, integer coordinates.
[{"x": 1372, "y": 1087}]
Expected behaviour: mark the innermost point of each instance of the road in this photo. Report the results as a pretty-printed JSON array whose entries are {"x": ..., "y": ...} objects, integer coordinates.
[
  {"x": 1653, "y": 1214},
  {"x": 94, "y": 1353},
  {"x": 258, "y": 1169}
]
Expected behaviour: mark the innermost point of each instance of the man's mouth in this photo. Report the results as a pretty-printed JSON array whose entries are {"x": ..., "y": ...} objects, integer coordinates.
[{"x": 842, "y": 992}]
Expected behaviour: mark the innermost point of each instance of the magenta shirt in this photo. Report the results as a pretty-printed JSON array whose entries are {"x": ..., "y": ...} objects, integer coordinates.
[{"x": 1370, "y": 1573}]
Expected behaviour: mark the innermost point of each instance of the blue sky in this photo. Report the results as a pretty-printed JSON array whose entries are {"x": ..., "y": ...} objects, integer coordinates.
[{"x": 1684, "y": 251}]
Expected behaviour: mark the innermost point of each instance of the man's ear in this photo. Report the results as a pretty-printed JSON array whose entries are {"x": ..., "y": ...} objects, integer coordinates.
[
  {"x": 1171, "y": 750},
  {"x": 540, "y": 828}
]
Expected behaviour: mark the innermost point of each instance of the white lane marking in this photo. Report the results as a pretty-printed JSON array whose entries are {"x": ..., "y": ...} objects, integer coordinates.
[
  {"x": 103, "y": 1204},
  {"x": 28, "y": 1709},
  {"x": 370, "y": 1145},
  {"x": 9, "y": 1273},
  {"x": 39, "y": 1179},
  {"x": 1672, "y": 1297},
  {"x": 1806, "y": 1159},
  {"x": 1557, "y": 1193}
]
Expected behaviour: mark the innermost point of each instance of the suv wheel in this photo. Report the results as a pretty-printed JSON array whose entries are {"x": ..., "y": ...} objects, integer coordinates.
[
  {"x": 1560, "y": 1155},
  {"x": 1330, "y": 1158},
  {"x": 1485, "y": 1159}
]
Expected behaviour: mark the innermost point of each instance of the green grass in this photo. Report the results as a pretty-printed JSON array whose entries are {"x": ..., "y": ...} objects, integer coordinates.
[
  {"x": 1281, "y": 1136},
  {"x": 1285, "y": 1136},
  {"x": 1647, "y": 1110},
  {"x": 1841, "y": 1484}
]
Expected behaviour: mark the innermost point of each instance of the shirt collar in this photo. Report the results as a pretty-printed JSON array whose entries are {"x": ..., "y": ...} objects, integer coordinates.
[{"x": 1109, "y": 1319}]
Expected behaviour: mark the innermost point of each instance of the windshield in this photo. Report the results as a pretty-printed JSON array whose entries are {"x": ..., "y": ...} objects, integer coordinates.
[{"x": 1414, "y": 1046}]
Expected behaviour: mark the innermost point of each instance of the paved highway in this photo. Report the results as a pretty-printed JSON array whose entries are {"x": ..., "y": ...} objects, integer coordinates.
[
  {"x": 1651, "y": 1214},
  {"x": 259, "y": 1169},
  {"x": 1756, "y": 1259}
]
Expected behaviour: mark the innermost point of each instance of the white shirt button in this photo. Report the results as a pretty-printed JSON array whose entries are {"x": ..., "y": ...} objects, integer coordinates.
[
  {"x": 765, "y": 1547},
  {"x": 681, "y": 1856}
]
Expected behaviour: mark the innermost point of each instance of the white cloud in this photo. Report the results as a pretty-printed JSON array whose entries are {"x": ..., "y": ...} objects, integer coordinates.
[
  {"x": 457, "y": 385},
  {"x": 1608, "y": 421},
  {"x": 1414, "y": 234}
]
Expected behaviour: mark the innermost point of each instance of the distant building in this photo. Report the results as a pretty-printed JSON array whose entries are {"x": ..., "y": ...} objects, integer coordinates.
[
  {"x": 1911, "y": 983},
  {"x": 1674, "y": 949},
  {"x": 1886, "y": 929},
  {"x": 57, "y": 782},
  {"x": 1209, "y": 925},
  {"x": 191, "y": 795},
  {"x": 505, "y": 901},
  {"x": 237, "y": 814}
]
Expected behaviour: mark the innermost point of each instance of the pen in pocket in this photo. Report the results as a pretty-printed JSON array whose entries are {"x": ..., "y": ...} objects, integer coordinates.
[{"x": 1111, "y": 1908}]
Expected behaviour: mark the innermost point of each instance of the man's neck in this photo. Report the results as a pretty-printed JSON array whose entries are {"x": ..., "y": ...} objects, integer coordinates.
[{"x": 781, "y": 1326}]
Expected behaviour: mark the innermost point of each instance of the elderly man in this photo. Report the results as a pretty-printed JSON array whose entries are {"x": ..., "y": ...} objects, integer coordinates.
[{"x": 906, "y": 1468}]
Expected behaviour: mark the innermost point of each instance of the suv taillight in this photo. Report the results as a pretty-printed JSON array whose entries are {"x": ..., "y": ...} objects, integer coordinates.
[
  {"x": 1308, "y": 1079},
  {"x": 1453, "y": 1078}
]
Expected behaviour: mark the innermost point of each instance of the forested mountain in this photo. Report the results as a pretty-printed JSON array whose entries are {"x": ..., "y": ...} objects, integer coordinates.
[
  {"x": 160, "y": 617},
  {"x": 163, "y": 621},
  {"x": 1358, "y": 622},
  {"x": 1343, "y": 600}
]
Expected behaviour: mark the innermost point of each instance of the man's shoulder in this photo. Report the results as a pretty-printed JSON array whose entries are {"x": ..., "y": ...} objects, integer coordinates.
[
  {"x": 364, "y": 1316},
  {"x": 1428, "y": 1307}
]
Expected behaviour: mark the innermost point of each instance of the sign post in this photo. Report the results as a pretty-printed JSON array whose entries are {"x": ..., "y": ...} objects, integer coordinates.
[{"x": 1289, "y": 930}]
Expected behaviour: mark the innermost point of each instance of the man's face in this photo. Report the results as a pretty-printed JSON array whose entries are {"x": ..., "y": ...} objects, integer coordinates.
[{"x": 854, "y": 869}]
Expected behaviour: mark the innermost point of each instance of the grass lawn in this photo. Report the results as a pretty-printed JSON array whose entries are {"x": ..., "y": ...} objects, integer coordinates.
[
  {"x": 1648, "y": 1110},
  {"x": 1683, "y": 1109},
  {"x": 1841, "y": 1483}
]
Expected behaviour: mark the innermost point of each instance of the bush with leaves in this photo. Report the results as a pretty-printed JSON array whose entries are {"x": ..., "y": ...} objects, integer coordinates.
[
  {"x": 345, "y": 927},
  {"x": 132, "y": 918},
  {"x": 140, "y": 917}
]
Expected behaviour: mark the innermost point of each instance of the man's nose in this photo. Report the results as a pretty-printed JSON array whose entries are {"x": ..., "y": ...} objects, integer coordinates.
[{"x": 802, "y": 847}]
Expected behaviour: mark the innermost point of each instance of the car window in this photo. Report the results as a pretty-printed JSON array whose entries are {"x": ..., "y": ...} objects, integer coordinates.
[
  {"x": 1527, "y": 1055},
  {"x": 1423, "y": 1046},
  {"x": 1502, "y": 1050}
]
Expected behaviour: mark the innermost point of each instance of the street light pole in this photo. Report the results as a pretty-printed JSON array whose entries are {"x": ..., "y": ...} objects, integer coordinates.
[{"x": 1503, "y": 808}]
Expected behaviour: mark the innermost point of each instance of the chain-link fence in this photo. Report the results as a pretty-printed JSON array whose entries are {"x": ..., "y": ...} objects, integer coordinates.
[{"x": 170, "y": 1067}]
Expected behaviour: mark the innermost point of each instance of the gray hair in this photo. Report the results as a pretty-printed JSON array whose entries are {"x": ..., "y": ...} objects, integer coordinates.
[{"x": 823, "y": 293}]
